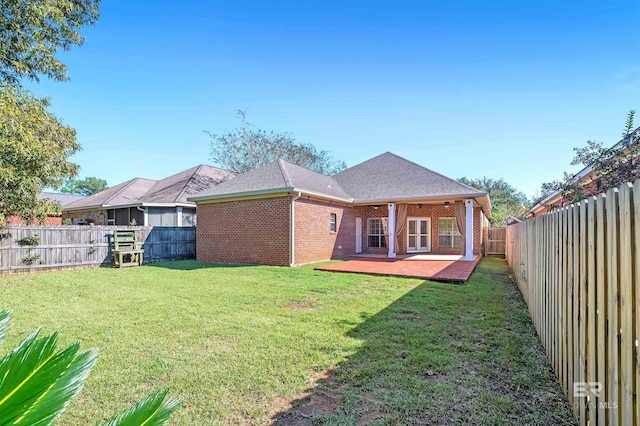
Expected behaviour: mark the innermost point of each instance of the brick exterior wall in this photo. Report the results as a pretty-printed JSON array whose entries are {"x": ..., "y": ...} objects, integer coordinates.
[
  {"x": 257, "y": 231},
  {"x": 95, "y": 215},
  {"x": 432, "y": 211},
  {"x": 245, "y": 232},
  {"x": 314, "y": 241}
]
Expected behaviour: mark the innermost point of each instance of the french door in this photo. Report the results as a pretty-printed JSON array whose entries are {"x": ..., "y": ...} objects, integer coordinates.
[{"x": 418, "y": 234}]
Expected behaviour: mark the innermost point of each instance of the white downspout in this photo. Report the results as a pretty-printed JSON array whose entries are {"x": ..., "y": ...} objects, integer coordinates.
[
  {"x": 292, "y": 234},
  {"x": 146, "y": 214}
]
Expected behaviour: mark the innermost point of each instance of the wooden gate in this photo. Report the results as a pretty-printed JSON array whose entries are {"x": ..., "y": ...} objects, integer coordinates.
[{"x": 495, "y": 241}]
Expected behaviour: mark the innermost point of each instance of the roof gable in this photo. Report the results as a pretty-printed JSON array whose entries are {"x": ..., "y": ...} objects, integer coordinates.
[
  {"x": 390, "y": 177},
  {"x": 277, "y": 175}
]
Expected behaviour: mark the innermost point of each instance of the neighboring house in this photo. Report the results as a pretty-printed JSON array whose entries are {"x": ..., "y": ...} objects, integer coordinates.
[
  {"x": 283, "y": 214},
  {"x": 52, "y": 219},
  {"x": 146, "y": 201},
  {"x": 587, "y": 178}
]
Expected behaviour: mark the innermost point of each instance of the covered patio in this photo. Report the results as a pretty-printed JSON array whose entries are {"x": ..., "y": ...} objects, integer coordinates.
[{"x": 446, "y": 268}]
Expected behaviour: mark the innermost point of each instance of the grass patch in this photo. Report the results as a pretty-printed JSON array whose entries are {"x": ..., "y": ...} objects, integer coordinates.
[{"x": 239, "y": 345}]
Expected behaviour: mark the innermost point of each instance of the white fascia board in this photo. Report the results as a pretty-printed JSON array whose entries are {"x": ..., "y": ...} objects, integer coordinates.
[
  {"x": 418, "y": 199},
  {"x": 323, "y": 196},
  {"x": 267, "y": 192},
  {"x": 240, "y": 194},
  {"x": 166, "y": 205},
  {"x": 125, "y": 206}
]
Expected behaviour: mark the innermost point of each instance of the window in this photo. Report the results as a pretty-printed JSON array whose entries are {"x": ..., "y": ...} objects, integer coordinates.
[
  {"x": 375, "y": 233},
  {"x": 162, "y": 217},
  {"x": 448, "y": 235},
  {"x": 332, "y": 222}
]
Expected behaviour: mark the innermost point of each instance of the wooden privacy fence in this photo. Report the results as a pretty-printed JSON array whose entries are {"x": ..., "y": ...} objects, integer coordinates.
[
  {"x": 36, "y": 247},
  {"x": 578, "y": 269},
  {"x": 495, "y": 241}
]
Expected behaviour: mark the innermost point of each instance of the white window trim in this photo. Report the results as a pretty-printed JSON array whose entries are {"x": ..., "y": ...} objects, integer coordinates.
[
  {"x": 333, "y": 220},
  {"x": 382, "y": 231},
  {"x": 453, "y": 234}
]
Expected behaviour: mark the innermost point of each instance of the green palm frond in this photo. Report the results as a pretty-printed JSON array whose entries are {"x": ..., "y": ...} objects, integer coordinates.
[
  {"x": 154, "y": 410},
  {"x": 38, "y": 382},
  {"x": 4, "y": 323}
]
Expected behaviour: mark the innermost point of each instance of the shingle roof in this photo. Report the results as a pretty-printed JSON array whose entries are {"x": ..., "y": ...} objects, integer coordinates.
[
  {"x": 176, "y": 188},
  {"x": 63, "y": 199},
  {"x": 277, "y": 175},
  {"x": 385, "y": 178},
  {"x": 171, "y": 190},
  {"x": 390, "y": 177}
]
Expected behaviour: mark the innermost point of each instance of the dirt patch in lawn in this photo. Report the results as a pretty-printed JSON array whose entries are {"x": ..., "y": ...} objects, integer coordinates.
[
  {"x": 302, "y": 305},
  {"x": 323, "y": 401}
]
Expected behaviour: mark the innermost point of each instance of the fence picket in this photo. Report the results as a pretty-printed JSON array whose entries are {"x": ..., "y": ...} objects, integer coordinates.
[
  {"x": 627, "y": 340},
  {"x": 590, "y": 343}
]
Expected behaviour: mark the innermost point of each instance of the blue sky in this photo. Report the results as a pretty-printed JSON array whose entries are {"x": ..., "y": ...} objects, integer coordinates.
[{"x": 503, "y": 89}]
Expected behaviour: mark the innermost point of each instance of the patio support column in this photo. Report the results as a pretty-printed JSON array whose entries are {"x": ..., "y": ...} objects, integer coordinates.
[
  {"x": 469, "y": 230},
  {"x": 392, "y": 230}
]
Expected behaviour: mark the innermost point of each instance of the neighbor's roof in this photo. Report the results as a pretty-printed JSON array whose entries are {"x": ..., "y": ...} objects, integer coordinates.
[
  {"x": 176, "y": 188},
  {"x": 138, "y": 191},
  {"x": 583, "y": 175},
  {"x": 385, "y": 178},
  {"x": 63, "y": 199}
]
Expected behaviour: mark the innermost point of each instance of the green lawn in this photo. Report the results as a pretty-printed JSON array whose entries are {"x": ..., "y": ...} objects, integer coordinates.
[{"x": 239, "y": 345}]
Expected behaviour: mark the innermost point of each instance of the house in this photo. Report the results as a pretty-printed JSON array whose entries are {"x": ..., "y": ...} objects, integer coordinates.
[
  {"x": 586, "y": 178},
  {"x": 146, "y": 201},
  {"x": 52, "y": 219},
  {"x": 283, "y": 214}
]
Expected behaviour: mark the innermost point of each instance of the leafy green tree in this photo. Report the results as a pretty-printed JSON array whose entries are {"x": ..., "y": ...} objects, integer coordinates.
[
  {"x": 38, "y": 382},
  {"x": 87, "y": 186},
  {"x": 35, "y": 149},
  {"x": 611, "y": 167},
  {"x": 35, "y": 145},
  {"x": 247, "y": 148},
  {"x": 505, "y": 199},
  {"x": 33, "y": 31}
]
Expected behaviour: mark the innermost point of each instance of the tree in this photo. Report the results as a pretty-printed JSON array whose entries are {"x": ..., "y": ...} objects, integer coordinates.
[
  {"x": 38, "y": 382},
  {"x": 611, "y": 167},
  {"x": 505, "y": 199},
  {"x": 35, "y": 144},
  {"x": 32, "y": 32},
  {"x": 35, "y": 148},
  {"x": 247, "y": 148},
  {"x": 87, "y": 186}
]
